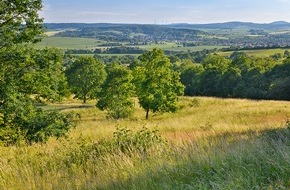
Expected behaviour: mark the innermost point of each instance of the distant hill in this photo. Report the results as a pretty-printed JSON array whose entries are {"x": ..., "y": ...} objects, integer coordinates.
[
  {"x": 233, "y": 25},
  {"x": 145, "y": 28},
  {"x": 236, "y": 35},
  {"x": 125, "y": 32},
  {"x": 62, "y": 26}
]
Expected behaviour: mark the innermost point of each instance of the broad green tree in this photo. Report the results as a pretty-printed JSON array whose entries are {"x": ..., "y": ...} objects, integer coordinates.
[
  {"x": 214, "y": 68},
  {"x": 190, "y": 77},
  {"x": 19, "y": 21},
  {"x": 26, "y": 73},
  {"x": 157, "y": 84},
  {"x": 117, "y": 91},
  {"x": 85, "y": 76},
  {"x": 279, "y": 85},
  {"x": 37, "y": 72}
]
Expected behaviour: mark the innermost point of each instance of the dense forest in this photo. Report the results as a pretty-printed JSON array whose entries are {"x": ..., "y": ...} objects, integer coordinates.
[{"x": 239, "y": 76}]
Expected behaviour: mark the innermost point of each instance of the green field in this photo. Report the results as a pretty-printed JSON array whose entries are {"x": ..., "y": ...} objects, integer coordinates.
[
  {"x": 257, "y": 53},
  {"x": 175, "y": 47},
  {"x": 229, "y": 33},
  {"x": 87, "y": 43},
  {"x": 210, "y": 143},
  {"x": 68, "y": 43}
]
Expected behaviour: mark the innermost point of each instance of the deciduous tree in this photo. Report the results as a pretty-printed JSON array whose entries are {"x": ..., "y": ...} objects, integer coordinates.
[
  {"x": 85, "y": 76},
  {"x": 157, "y": 84},
  {"x": 116, "y": 93},
  {"x": 26, "y": 73},
  {"x": 19, "y": 22}
]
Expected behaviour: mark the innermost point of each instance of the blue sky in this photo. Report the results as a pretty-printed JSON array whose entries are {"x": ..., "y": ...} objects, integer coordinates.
[{"x": 165, "y": 11}]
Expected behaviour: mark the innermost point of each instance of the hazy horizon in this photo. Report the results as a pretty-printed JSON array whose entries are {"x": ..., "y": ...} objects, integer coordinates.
[
  {"x": 161, "y": 24},
  {"x": 160, "y": 12}
]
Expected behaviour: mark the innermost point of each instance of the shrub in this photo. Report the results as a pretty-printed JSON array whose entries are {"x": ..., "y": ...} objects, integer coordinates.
[
  {"x": 24, "y": 122},
  {"x": 141, "y": 141},
  {"x": 48, "y": 124}
]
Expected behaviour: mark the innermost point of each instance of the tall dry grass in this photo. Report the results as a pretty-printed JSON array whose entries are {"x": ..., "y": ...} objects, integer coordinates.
[{"x": 211, "y": 144}]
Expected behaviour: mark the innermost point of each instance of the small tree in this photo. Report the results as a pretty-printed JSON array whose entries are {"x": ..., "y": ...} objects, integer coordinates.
[
  {"x": 157, "y": 84},
  {"x": 115, "y": 96},
  {"x": 286, "y": 53},
  {"x": 85, "y": 76}
]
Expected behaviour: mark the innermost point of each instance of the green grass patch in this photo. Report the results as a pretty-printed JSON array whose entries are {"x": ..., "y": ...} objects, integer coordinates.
[
  {"x": 257, "y": 53},
  {"x": 68, "y": 43}
]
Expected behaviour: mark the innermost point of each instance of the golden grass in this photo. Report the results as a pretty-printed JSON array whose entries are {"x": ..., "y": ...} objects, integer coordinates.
[
  {"x": 197, "y": 117},
  {"x": 63, "y": 163}
]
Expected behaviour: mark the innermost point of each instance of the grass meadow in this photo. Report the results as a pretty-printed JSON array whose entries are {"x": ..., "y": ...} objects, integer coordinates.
[
  {"x": 210, "y": 143},
  {"x": 257, "y": 53},
  {"x": 68, "y": 43}
]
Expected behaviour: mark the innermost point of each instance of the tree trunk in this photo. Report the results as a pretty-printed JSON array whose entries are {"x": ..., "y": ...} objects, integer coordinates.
[
  {"x": 85, "y": 99},
  {"x": 147, "y": 113}
]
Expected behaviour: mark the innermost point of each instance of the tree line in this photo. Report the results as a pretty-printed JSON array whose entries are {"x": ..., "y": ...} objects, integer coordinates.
[
  {"x": 152, "y": 80},
  {"x": 239, "y": 76},
  {"x": 109, "y": 50}
]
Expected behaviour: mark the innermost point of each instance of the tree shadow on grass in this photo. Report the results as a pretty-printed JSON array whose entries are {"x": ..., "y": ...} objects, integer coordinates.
[{"x": 62, "y": 107}]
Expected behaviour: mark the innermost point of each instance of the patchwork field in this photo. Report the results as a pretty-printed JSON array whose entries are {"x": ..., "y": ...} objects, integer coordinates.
[{"x": 90, "y": 43}]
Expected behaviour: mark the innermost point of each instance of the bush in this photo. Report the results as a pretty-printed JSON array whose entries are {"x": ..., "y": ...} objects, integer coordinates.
[
  {"x": 48, "y": 124},
  {"x": 37, "y": 129},
  {"x": 124, "y": 140},
  {"x": 22, "y": 121},
  {"x": 141, "y": 141}
]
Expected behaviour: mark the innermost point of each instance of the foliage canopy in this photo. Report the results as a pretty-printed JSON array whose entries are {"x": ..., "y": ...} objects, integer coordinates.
[
  {"x": 85, "y": 77},
  {"x": 27, "y": 75},
  {"x": 115, "y": 96},
  {"x": 157, "y": 84}
]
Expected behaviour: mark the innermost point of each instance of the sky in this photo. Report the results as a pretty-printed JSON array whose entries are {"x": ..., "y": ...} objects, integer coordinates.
[{"x": 165, "y": 11}]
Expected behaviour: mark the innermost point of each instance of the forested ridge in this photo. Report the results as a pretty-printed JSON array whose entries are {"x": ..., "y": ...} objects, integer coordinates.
[{"x": 134, "y": 33}]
